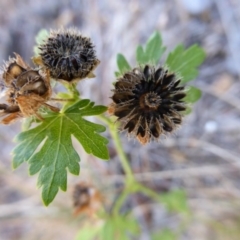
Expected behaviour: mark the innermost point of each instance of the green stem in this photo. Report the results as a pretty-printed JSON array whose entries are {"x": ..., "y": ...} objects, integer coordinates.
[
  {"x": 121, "y": 153},
  {"x": 119, "y": 202},
  {"x": 131, "y": 184},
  {"x": 124, "y": 161},
  {"x": 72, "y": 88},
  {"x": 147, "y": 191},
  {"x": 119, "y": 148}
]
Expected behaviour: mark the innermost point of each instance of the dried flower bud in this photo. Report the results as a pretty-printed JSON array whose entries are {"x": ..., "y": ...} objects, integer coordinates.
[
  {"x": 86, "y": 199},
  {"x": 148, "y": 102},
  {"x": 68, "y": 55}
]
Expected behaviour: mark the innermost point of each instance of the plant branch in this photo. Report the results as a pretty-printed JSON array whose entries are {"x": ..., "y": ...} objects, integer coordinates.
[
  {"x": 119, "y": 148},
  {"x": 121, "y": 153},
  {"x": 147, "y": 191},
  {"x": 120, "y": 200}
]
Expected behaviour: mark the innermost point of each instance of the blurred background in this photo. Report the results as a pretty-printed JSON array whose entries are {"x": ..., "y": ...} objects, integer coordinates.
[{"x": 202, "y": 158}]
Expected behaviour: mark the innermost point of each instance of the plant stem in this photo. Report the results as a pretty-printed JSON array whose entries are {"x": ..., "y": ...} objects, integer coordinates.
[
  {"x": 147, "y": 191},
  {"x": 119, "y": 202},
  {"x": 119, "y": 148},
  {"x": 124, "y": 161},
  {"x": 72, "y": 88},
  {"x": 121, "y": 153},
  {"x": 75, "y": 95}
]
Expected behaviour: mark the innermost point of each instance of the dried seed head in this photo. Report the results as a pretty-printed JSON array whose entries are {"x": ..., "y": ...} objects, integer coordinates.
[
  {"x": 86, "y": 199},
  {"x": 148, "y": 102},
  {"x": 68, "y": 55},
  {"x": 19, "y": 78},
  {"x": 26, "y": 90}
]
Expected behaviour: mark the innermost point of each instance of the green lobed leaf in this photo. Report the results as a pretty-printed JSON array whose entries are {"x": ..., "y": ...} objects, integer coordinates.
[
  {"x": 122, "y": 63},
  {"x": 48, "y": 147},
  {"x": 185, "y": 62},
  {"x": 153, "y": 50}
]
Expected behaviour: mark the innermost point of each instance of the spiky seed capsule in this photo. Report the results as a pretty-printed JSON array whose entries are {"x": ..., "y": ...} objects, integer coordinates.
[
  {"x": 68, "y": 55},
  {"x": 148, "y": 102}
]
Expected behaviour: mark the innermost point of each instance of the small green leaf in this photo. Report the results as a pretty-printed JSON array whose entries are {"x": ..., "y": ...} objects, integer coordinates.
[
  {"x": 122, "y": 63},
  {"x": 175, "y": 200},
  {"x": 193, "y": 95},
  {"x": 164, "y": 234},
  {"x": 88, "y": 232},
  {"x": 154, "y": 48},
  {"x": 187, "y": 111},
  {"x": 41, "y": 36},
  {"x": 185, "y": 62},
  {"x": 117, "y": 74},
  {"x": 64, "y": 95},
  {"x": 140, "y": 55},
  {"x": 27, "y": 122},
  {"x": 48, "y": 147},
  {"x": 119, "y": 228}
]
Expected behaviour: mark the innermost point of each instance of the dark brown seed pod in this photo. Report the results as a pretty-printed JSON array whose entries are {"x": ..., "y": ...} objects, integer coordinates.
[
  {"x": 148, "y": 102},
  {"x": 68, "y": 55}
]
